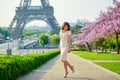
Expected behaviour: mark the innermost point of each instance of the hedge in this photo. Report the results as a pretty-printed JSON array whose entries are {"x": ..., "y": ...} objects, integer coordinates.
[
  {"x": 11, "y": 67},
  {"x": 79, "y": 49}
]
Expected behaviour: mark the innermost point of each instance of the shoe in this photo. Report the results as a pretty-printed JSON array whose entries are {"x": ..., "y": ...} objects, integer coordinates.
[
  {"x": 72, "y": 68},
  {"x": 65, "y": 75}
]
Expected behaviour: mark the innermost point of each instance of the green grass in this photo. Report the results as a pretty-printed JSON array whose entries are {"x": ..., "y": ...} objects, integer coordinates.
[
  {"x": 2, "y": 56},
  {"x": 113, "y": 66},
  {"x": 96, "y": 56}
]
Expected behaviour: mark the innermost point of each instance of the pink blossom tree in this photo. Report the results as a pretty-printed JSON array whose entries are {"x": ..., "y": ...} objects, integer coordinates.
[{"x": 105, "y": 26}]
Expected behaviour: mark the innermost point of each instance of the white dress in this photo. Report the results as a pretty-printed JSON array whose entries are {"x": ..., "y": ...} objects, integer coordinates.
[{"x": 64, "y": 44}]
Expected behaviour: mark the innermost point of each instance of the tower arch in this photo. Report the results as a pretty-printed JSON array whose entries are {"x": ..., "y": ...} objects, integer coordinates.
[{"x": 26, "y": 13}]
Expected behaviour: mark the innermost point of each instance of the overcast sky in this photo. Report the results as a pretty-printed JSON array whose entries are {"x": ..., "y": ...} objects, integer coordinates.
[{"x": 65, "y": 10}]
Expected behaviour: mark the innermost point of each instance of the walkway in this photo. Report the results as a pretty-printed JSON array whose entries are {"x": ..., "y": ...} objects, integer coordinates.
[{"x": 84, "y": 70}]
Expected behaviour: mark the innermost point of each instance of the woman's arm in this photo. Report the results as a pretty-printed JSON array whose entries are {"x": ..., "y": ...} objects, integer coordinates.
[{"x": 69, "y": 36}]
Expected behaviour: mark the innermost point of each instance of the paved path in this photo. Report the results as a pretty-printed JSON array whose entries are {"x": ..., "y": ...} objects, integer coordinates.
[{"x": 84, "y": 70}]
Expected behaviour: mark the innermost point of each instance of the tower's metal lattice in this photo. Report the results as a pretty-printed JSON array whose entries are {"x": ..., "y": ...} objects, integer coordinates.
[{"x": 26, "y": 13}]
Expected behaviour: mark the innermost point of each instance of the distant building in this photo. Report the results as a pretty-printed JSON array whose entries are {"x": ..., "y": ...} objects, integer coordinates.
[{"x": 78, "y": 22}]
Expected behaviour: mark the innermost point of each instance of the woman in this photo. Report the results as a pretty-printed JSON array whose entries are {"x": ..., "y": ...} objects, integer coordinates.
[{"x": 65, "y": 34}]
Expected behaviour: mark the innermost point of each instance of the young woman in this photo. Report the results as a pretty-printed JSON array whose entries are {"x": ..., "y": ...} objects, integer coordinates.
[{"x": 65, "y": 35}]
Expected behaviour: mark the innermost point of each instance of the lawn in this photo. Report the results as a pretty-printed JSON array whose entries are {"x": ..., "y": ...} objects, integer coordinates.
[
  {"x": 113, "y": 66},
  {"x": 2, "y": 55},
  {"x": 96, "y": 56}
]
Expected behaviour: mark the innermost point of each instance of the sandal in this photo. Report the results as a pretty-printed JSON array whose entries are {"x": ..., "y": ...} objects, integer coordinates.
[
  {"x": 65, "y": 75},
  {"x": 72, "y": 68}
]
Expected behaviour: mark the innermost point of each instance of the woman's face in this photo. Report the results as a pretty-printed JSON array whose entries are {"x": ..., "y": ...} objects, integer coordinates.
[{"x": 65, "y": 27}]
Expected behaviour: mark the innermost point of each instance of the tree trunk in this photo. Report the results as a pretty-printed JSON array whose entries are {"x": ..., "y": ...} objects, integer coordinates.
[
  {"x": 117, "y": 43},
  {"x": 88, "y": 46},
  {"x": 102, "y": 49},
  {"x": 105, "y": 49},
  {"x": 110, "y": 49},
  {"x": 95, "y": 48}
]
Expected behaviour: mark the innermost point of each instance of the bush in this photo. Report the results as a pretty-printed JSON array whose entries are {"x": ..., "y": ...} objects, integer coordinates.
[{"x": 12, "y": 67}]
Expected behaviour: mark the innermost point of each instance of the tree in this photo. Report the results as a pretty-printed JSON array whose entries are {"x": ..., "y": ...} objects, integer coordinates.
[
  {"x": 4, "y": 32},
  {"x": 81, "y": 38},
  {"x": 105, "y": 26},
  {"x": 55, "y": 40},
  {"x": 75, "y": 29},
  {"x": 43, "y": 39},
  {"x": 27, "y": 33},
  {"x": 54, "y": 31}
]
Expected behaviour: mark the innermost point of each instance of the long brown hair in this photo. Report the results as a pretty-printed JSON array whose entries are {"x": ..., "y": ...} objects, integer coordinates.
[{"x": 65, "y": 24}]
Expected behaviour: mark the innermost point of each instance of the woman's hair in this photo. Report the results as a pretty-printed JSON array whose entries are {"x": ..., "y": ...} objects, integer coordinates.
[{"x": 65, "y": 24}]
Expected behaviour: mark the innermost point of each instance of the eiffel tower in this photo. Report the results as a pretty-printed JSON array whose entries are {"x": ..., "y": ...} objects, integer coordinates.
[{"x": 26, "y": 13}]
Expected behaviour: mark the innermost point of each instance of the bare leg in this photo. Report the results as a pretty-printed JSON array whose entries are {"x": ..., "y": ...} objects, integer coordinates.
[
  {"x": 66, "y": 63},
  {"x": 65, "y": 66},
  {"x": 66, "y": 70},
  {"x": 70, "y": 66}
]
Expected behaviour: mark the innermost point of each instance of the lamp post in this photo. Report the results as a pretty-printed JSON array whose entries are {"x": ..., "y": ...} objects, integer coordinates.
[
  {"x": 9, "y": 51},
  {"x": 20, "y": 45}
]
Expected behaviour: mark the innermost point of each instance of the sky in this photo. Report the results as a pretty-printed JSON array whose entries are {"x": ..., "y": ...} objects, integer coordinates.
[{"x": 64, "y": 10}]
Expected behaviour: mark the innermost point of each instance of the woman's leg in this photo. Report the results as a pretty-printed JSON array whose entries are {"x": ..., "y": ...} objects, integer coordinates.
[
  {"x": 65, "y": 67},
  {"x": 70, "y": 66},
  {"x": 66, "y": 63}
]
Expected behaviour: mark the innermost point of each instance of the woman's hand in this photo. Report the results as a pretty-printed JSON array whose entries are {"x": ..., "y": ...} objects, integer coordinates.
[
  {"x": 69, "y": 50},
  {"x": 69, "y": 44}
]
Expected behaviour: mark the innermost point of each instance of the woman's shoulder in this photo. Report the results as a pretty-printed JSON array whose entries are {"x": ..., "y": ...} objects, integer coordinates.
[{"x": 69, "y": 32}]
